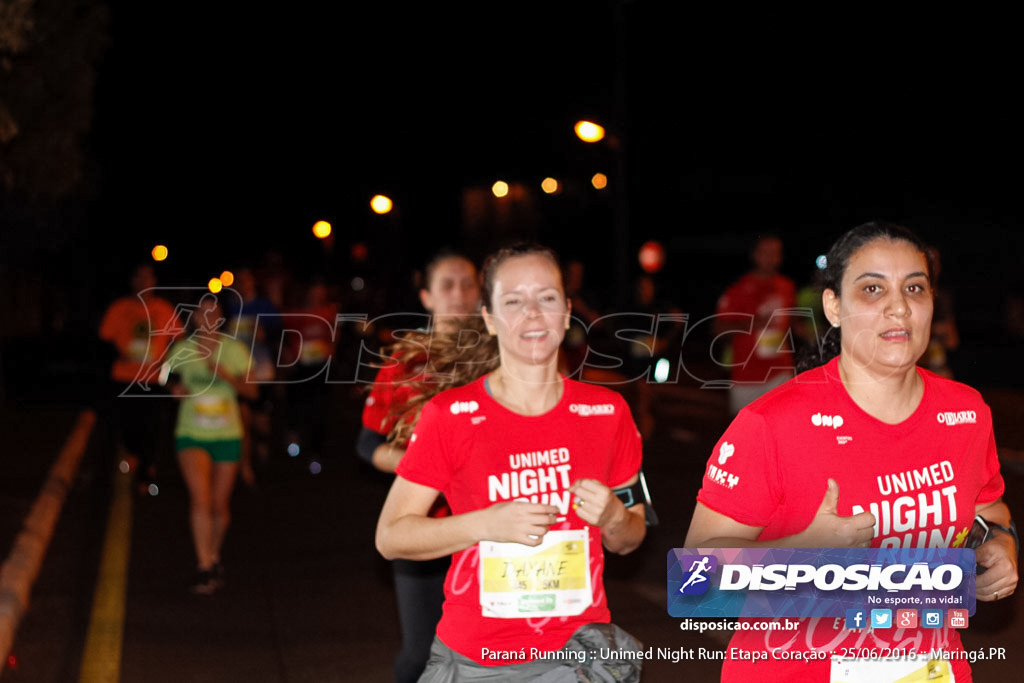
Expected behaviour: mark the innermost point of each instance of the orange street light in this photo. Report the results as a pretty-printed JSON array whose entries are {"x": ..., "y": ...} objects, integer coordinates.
[
  {"x": 588, "y": 131},
  {"x": 381, "y": 204},
  {"x": 549, "y": 185},
  {"x": 159, "y": 252},
  {"x": 321, "y": 229}
]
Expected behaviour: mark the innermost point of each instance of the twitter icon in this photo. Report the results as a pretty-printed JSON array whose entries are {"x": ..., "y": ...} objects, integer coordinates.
[{"x": 881, "y": 618}]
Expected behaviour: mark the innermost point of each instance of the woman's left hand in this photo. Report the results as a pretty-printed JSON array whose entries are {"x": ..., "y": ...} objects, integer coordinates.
[
  {"x": 999, "y": 557},
  {"x": 595, "y": 503}
]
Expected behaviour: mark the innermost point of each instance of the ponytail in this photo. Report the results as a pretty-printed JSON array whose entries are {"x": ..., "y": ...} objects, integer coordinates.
[{"x": 455, "y": 357}]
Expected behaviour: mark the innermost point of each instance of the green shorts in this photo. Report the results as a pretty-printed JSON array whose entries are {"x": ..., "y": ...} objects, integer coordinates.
[{"x": 220, "y": 451}]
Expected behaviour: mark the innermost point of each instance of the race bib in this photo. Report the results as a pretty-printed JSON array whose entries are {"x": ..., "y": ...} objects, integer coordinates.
[
  {"x": 907, "y": 670},
  {"x": 212, "y": 411},
  {"x": 137, "y": 350},
  {"x": 769, "y": 343},
  {"x": 314, "y": 351},
  {"x": 549, "y": 580}
]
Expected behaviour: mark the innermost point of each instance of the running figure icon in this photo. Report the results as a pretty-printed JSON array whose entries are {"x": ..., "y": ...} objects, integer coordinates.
[{"x": 697, "y": 570}]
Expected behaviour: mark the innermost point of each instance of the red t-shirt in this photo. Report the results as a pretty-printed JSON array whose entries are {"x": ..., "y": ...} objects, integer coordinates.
[
  {"x": 392, "y": 387},
  {"x": 478, "y": 453},
  {"x": 763, "y": 303},
  {"x": 142, "y": 330},
  {"x": 921, "y": 478}
]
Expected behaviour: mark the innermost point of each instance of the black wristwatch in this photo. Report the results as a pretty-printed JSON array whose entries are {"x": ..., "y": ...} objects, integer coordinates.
[{"x": 1012, "y": 530}]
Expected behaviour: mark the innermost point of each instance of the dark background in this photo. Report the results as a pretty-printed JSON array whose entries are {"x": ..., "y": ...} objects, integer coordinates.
[{"x": 225, "y": 132}]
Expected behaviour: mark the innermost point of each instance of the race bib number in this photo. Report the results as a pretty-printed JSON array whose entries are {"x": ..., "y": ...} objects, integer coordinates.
[{"x": 550, "y": 580}]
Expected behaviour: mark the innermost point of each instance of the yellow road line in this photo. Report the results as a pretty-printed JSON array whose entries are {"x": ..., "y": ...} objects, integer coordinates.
[{"x": 101, "y": 660}]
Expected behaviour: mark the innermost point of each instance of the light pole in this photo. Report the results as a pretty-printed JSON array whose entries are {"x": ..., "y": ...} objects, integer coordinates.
[{"x": 591, "y": 132}]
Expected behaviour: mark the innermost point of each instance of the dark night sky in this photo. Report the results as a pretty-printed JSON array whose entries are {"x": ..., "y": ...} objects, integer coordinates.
[
  {"x": 227, "y": 132},
  {"x": 223, "y": 132}
]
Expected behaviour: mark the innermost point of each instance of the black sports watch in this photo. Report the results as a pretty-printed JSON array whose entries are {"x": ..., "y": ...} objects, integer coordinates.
[{"x": 982, "y": 531}]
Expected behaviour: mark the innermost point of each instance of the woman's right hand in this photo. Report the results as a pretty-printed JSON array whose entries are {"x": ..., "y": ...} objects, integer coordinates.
[
  {"x": 518, "y": 522},
  {"x": 829, "y": 529}
]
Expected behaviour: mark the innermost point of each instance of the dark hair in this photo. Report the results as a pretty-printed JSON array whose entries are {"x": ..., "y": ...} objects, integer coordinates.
[
  {"x": 838, "y": 260},
  {"x": 494, "y": 261},
  {"x": 763, "y": 237},
  {"x": 196, "y": 323},
  {"x": 437, "y": 258},
  {"x": 459, "y": 356}
]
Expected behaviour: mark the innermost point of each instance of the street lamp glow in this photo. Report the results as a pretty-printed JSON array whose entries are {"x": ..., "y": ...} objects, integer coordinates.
[
  {"x": 215, "y": 285},
  {"x": 549, "y": 185},
  {"x": 588, "y": 131},
  {"x": 321, "y": 229},
  {"x": 159, "y": 252},
  {"x": 599, "y": 181},
  {"x": 381, "y": 204},
  {"x": 661, "y": 369},
  {"x": 500, "y": 188},
  {"x": 227, "y": 278},
  {"x": 652, "y": 256}
]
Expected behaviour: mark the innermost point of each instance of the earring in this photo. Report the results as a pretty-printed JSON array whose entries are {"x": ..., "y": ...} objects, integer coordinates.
[{"x": 835, "y": 325}]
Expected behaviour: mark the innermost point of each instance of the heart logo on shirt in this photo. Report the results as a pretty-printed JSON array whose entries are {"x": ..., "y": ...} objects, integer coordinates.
[{"x": 725, "y": 451}]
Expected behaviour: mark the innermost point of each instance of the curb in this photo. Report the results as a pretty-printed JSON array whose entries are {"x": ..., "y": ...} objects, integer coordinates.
[{"x": 19, "y": 571}]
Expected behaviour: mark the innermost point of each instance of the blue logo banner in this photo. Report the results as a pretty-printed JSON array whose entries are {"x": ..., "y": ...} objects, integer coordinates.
[{"x": 852, "y": 583}]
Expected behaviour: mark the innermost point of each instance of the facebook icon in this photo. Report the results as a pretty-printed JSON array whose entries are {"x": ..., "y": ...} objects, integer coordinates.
[{"x": 856, "y": 618}]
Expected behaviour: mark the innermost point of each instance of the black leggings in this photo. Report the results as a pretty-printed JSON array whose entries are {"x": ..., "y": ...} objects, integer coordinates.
[{"x": 419, "y": 590}]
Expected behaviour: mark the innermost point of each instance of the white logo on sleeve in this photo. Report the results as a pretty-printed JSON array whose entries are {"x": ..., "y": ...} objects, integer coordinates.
[{"x": 716, "y": 473}]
